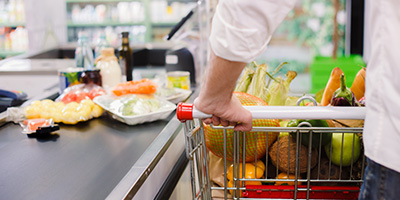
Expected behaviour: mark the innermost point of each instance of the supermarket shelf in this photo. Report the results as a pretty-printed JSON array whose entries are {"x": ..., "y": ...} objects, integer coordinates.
[
  {"x": 12, "y": 24},
  {"x": 5, "y": 53},
  {"x": 170, "y": 24},
  {"x": 107, "y": 23},
  {"x": 96, "y": 1}
]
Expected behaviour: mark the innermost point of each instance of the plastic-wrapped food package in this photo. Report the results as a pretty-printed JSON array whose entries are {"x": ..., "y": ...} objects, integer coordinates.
[
  {"x": 74, "y": 105},
  {"x": 135, "y": 109}
]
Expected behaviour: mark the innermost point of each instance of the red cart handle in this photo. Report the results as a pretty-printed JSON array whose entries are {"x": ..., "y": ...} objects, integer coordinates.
[{"x": 187, "y": 111}]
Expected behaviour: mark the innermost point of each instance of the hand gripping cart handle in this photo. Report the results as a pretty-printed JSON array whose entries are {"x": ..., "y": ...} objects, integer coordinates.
[
  {"x": 198, "y": 155},
  {"x": 187, "y": 111}
]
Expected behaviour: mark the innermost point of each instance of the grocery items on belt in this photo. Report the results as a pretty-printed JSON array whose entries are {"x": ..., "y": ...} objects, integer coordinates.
[
  {"x": 144, "y": 86},
  {"x": 38, "y": 127},
  {"x": 69, "y": 113},
  {"x": 79, "y": 92},
  {"x": 140, "y": 106},
  {"x": 135, "y": 109}
]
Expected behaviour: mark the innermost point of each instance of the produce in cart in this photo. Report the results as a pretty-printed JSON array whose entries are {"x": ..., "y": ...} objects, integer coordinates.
[
  {"x": 251, "y": 171},
  {"x": 331, "y": 86},
  {"x": 284, "y": 175},
  {"x": 279, "y": 89},
  {"x": 316, "y": 137},
  {"x": 358, "y": 86},
  {"x": 345, "y": 149},
  {"x": 343, "y": 96},
  {"x": 253, "y": 81},
  {"x": 256, "y": 142},
  {"x": 283, "y": 155}
]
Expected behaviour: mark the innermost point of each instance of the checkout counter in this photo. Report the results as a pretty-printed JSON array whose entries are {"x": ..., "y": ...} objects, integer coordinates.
[{"x": 98, "y": 159}]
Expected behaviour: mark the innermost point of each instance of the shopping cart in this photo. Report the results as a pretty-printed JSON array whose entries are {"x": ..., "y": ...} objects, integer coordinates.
[{"x": 338, "y": 181}]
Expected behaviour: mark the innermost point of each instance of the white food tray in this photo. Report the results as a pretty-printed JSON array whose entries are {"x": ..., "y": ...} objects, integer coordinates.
[
  {"x": 166, "y": 109},
  {"x": 179, "y": 95}
]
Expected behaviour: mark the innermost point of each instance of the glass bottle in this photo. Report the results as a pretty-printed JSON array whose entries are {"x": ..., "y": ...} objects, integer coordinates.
[
  {"x": 84, "y": 53},
  {"x": 109, "y": 68},
  {"x": 126, "y": 56},
  {"x": 101, "y": 44}
]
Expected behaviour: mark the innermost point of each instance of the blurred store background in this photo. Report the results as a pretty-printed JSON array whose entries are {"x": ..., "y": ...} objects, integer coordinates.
[{"x": 314, "y": 31}]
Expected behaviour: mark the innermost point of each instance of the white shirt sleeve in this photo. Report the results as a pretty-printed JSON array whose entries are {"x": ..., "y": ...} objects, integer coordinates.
[{"x": 241, "y": 29}]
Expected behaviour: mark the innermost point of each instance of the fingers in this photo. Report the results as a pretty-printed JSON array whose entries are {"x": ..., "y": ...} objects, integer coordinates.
[
  {"x": 246, "y": 124},
  {"x": 207, "y": 121},
  {"x": 243, "y": 127},
  {"x": 216, "y": 121},
  {"x": 224, "y": 123}
]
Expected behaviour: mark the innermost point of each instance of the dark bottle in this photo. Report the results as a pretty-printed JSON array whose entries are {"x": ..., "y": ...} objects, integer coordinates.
[{"x": 125, "y": 57}]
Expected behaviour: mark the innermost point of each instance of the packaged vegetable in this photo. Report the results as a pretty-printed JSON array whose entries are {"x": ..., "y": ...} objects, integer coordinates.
[
  {"x": 67, "y": 113},
  {"x": 129, "y": 105},
  {"x": 139, "y": 106},
  {"x": 79, "y": 92},
  {"x": 144, "y": 86},
  {"x": 38, "y": 126},
  {"x": 135, "y": 109}
]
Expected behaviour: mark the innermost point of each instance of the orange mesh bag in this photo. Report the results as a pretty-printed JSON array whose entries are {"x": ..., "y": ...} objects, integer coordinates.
[{"x": 255, "y": 148}]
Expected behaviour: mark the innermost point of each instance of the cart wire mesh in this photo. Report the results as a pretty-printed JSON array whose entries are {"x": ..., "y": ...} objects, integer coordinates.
[{"x": 306, "y": 163}]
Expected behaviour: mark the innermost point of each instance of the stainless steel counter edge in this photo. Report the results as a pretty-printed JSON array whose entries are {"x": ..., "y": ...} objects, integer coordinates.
[{"x": 137, "y": 175}]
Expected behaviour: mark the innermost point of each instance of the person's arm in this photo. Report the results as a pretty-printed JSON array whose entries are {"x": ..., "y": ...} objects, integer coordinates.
[
  {"x": 241, "y": 30},
  {"x": 216, "y": 95}
]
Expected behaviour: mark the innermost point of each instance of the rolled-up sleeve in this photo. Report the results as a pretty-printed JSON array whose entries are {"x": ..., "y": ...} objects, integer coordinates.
[{"x": 241, "y": 29}]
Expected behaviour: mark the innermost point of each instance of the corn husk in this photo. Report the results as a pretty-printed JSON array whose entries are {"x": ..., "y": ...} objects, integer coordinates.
[
  {"x": 257, "y": 86},
  {"x": 291, "y": 101},
  {"x": 279, "y": 89},
  {"x": 245, "y": 80}
]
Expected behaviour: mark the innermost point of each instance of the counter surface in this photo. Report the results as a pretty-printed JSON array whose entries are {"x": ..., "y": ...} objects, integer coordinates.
[{"x": 85, "y": 161}]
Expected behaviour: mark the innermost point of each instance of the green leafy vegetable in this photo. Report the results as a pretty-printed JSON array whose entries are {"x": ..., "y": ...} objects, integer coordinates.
[{"x": 140, "y": 106}]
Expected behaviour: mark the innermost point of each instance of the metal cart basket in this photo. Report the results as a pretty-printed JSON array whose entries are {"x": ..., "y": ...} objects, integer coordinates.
[{"x": 313, "y": 172}]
